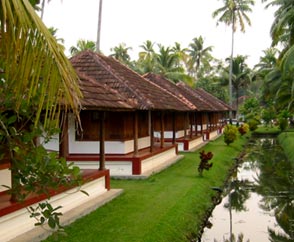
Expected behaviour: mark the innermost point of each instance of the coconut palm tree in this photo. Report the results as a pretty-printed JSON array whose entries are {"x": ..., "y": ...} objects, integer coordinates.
[
  {"x": 267, "y": 62},
  {"x": 81, "y": 46},
  {"x": 166, "y": 60},
  {"x": 282, "y": 32},
  {"x": 146, "y": 61},
  {"x": 198, "y": 53},
  {"x": 241, "y": 76},
  {"x": 167, "y": 65},
  {"x": 99, "y": 26},
  {"x": 181, "y": 53},
  {"x": 234, "y": 12},
  {"x": 53, "y": 31},
  {"x": 148, "y": 50},
  {"x": 282, "y": 29},
  {"x": 120, "y": 53}
]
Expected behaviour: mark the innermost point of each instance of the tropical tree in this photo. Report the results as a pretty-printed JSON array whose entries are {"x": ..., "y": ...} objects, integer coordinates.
[
  {"x": 146, "y": 61},
  {"x": 37, "y": 83},
  {"x": 251, "y": 109},
  {"x": 240, "y": 76},
  {"x": 198, "y": 55},
  {"x": 25, "y": 39},
  {"x": 148, "y": 50},
  {"x": 120, "y": 53},
  {"x": 213, "y": 85},
  {"x": 279, "y": 89},
  {"x": 166, "y": 61},
  {"x": 181, "y": 53},
  {"x": 279, "y": 82},
  {"x": 166, "y": 65},
  {"x": 286, "y": 90},
  {"x": 282, "y": 30},
  {"x": 53, "y": 31},
  {"x": 267, "y": 62},
  {"x": 81, "y": 46},
  {"x": 234, "y": 12}
]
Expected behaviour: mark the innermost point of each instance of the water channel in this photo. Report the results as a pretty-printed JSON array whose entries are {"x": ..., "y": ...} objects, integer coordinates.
[{"x": 258, "y": 203}]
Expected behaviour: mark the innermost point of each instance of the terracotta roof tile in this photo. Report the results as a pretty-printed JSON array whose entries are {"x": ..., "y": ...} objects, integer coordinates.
[
  {"x": 185, "y": 94},
  {"x": 219, "y": 104},
  {"x": 100, "y": 97},
  {"x": 170, "y": 87},
  {"x": 210, "y": 101},
  {"x": 141, "y": 92}
]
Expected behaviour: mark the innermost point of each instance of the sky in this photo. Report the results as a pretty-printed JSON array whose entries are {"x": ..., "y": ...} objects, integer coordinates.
[{"x": 164, "y": 22}]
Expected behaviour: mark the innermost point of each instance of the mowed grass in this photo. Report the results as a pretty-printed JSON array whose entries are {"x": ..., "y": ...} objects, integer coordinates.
[{"x": 168, "y": 206}]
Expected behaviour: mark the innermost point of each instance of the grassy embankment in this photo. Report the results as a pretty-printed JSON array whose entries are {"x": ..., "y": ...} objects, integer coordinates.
[
  {"x": 169, "y": 206},
  {"x": 286, "y": 140}
]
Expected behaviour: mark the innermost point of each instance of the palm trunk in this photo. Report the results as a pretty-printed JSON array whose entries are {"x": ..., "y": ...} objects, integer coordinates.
[
  {"x": 231, "y": 66},
  {"x": 99, "y": 27},
  {"x": 42, "y": 9}
]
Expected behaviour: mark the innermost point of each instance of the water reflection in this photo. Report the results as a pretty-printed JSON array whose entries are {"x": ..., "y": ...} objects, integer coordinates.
[{"x": 258, "y": 204}]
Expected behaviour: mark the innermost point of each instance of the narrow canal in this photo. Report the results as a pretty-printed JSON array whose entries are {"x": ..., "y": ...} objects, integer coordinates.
[{"x": 258, "y": 203}]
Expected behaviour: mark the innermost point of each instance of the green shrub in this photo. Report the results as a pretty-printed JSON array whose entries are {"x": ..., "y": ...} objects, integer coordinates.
[
  {"x": 283, "y": 117},
  {"x": 283, "y": 123},
  {"x": 230, "y": 133},
  {"x": 253, "y": 124}
]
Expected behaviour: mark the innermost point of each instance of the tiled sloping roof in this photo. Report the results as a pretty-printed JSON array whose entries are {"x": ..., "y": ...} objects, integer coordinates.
[
  {"x": 170, "y": 87},
  {"x": 214, "y": 103},
  {"x": 219, "y": 104},
  {"x": 138, "y": 90},
  {"x": 100, "y": 97},
  {"x": 197, "y": 100},
  {"x": 204, "y": 104}
]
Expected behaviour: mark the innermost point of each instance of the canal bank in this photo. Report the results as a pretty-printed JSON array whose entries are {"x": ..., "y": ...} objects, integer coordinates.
[
  {"x": 168, "y": 206},
  {"x": 257, "y": 202},
  {"x": 286, "y": 140}
]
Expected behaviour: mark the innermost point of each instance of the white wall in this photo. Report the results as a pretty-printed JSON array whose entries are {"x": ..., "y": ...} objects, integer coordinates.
[
  {"x": 19, "y": 222},
  {"x": 116, "y": 168},
  {"x": 93, "y": 147},
  {"x": 5, "y": 179},
  {"x": 155, "y": 161},
  {"x": 169, "y": 134},
  {"x": 52, "y": 145}
]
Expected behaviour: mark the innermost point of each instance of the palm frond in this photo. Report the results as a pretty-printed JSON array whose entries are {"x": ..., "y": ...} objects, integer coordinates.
[{"x": 34, "y": 66}]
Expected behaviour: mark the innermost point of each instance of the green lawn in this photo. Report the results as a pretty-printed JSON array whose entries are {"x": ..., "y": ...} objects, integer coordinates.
[
  {"x": 169, "y": 206},
  {"x": 267, "y": 130}
]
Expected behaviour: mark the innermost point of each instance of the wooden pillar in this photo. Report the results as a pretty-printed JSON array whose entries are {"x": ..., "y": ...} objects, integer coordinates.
[
  {"x": 209, "y": 121},
  {"x": 196, "y": 123},
  {"x": 186, "y": 125},
  {"x": 202, "y": 116},
  {"x": 174, "y": 128},
  {"x": 136, "y": 133},
  {"x": 194, "y": 127},
  {"x": 151, "y": 127},
  {"x": 63, "y": 137},
  {"x": 161, "y": 129},
  {"x": 191, "y": 124},
  {"x": 102, "y": 141}
]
